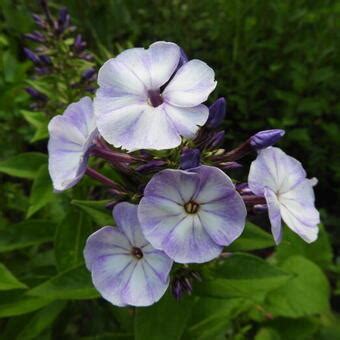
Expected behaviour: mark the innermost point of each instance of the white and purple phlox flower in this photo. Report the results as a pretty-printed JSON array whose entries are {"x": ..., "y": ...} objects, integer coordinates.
[
  {"x": 192, "y": 214},
  {"x": 71, "y": 136},
  {"x": 146, "y": 101},
  {"x": 126, "y": 269},
  {"x": 282, "y": 180}
]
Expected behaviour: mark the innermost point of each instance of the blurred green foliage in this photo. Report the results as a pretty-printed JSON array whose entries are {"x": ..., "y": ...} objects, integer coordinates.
[{"x": 277, "y": 63}]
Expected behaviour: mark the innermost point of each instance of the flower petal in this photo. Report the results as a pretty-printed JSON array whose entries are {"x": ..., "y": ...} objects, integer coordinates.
[
  {"x": 164, "y": 58},
  {"x": 298, "y": 210},
  {"x": 187, "y": 120},
  {"x": 188, "y": 242},
  {"x": 191, "y": 85},
  {"x": 125, "y": 215},
  {"x": 110, "y": 274},
  {"x": 71, "y": 136},
  {"x": 139, "y": 127},
  {"x": 104, "y": 242},
  {"x": 276, "y": 170},
  {"x": 274, "y": 214},
  {"x": 120, "y": 79}
]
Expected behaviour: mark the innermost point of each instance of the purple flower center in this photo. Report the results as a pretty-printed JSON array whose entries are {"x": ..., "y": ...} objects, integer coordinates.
[
  {"x": 191, "y": 207},
  {"x": 137, "y": 253},
  {"x": 155, "y": 98}
]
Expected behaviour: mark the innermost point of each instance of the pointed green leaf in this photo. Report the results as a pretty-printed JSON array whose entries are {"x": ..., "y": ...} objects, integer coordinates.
[
  {"x": 70, "y": 239},
  {"x": 306, "y": 294},
  {"x": 96, "y": 210},
  {"x": 41, "y": 192},
  {"x": 41, "y": 320},
  {"x": 241, "y": 275},
  {"x": 24, "y": 165},
  {"x": 8, "y": 281},
  {"x": 73, "y": 284},
  {"x": 27, "y": 233},
  {"x": 164, "y": 320},
  {"x": 252, "y": 238}
]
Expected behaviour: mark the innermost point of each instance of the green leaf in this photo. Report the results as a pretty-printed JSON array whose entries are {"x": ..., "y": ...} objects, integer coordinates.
[
  {"x": 319, "y": 251},
  {"x": 211, "y": 317},
  {"x": 27, "y": 233},
  {"x": 96, "y": 210},
  {"x": 73, "y": 284},
  {"x": 24, "y": 165},
  {"x": 21, "y": 304},
  {"x": 8, "y": 281},
  {"x": 252, "y": 238},
  {"x": 41, "y": 320},
  {"x": 164, "y": 320},
  {"x": 70, "y": 239},
  {"x": 306, "y": 294},
  {"x": 241, "y": 275},
  {"x": 267, "y": 333},
  {"x": 41, "y": 192},
  {"x": 39, "y": 121}
]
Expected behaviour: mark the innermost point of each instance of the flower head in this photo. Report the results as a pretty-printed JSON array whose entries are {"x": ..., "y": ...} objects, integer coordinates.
[
  {"x": 71, "y": 137},
  {"x": 282, "y": 180},
  {"x": 145, "y": 102},
  {"x": 125, "y": 268},
  {"x": 191, "y": 215}
]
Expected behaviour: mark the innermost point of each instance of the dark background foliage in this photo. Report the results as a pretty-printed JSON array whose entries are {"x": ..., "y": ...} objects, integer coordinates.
[{"x": 277, "y": 64}]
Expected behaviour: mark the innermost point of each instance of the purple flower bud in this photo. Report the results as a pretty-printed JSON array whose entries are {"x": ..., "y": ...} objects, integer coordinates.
[
  {"x": 45, "y": 59},
  {"x": 217, "y": 139},
  {"x": 217, "y": 113},
  {"x": 190, "y": 158},
  {"x": 38, "y": 20},
  {"x": 63, "y": 20},
  {"x": 229, "y": 165},
  {"x": 88, "y": 74},
  {"x": 31, "y": 55},
  {"x": 153, "y": 165},
  {"x": 263, "y": 139},
  {"x": 35, "y": 36},
  {"x": 41, "y": 71},
  {"x": 35, "y": 94},
  {"x": 79, "y": 44}
]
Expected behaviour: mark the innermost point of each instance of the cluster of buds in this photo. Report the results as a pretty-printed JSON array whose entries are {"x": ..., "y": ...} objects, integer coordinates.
[{"x": 60, "y": 60}]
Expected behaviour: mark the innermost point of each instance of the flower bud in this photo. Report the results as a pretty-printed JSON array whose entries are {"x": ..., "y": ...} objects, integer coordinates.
[
  {"x": 217, "y": 139},
  {"x": 31, "y": 55},
  {"x": 190, "y": 158},
  {"x": 35, "y": 94},
  {"x": 153, "y": 165},
  {"x": 217, "y": 113},
  {"x": 88, "y": 74},
  {"x": 45, "y": 59},
  {"x": 263, "y": 139},
  {"x": 35, "y": 36}
]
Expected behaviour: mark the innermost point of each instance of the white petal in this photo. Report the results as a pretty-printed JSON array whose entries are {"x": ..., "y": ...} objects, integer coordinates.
[
  {"x": 71, "y": 136},
  {"x": 164, "y": 58},
  {"x": 275, "y": 170},
  {"x": 120, "y": 79},
  {"x": 274, "y": 214},
  {"x": 191, "y": 85},
  {"x": 187, "y": 120},
  {"x": 125, "y": 215},
  {"x": 139, "y": 127},
  {"x": 106, "y": 241}
]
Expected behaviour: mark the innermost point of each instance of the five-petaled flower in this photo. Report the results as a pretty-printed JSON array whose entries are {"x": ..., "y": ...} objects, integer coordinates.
[
  {"x": 191, "y": 215},
  {"x": 125, "y": 268},
  {"x": 282, "y": 180},
  {"x": 71, "y": 137},
  {"x": 145, "y": 101}
]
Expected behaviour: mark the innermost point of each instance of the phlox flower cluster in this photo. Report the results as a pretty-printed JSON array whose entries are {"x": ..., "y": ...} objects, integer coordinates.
[{"x": 149, "y": 121}]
